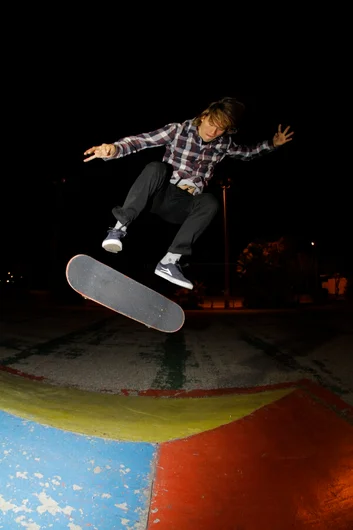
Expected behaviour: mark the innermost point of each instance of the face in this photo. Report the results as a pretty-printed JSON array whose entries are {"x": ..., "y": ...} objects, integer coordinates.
[{"x": 208, "y": 130}]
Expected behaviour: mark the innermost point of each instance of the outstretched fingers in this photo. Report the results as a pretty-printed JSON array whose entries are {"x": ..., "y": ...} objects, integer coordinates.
[
  {"x": 90, "y": 158},
  {"x": 91, "y": 151},
  {"x": 285, "y": 133}
]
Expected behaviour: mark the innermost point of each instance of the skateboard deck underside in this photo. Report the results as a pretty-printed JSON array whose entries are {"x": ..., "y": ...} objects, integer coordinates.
[{"x": 106, "y": 286}]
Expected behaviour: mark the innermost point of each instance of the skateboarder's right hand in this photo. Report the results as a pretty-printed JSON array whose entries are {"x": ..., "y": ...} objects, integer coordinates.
[{"x": 100, "y": 151}]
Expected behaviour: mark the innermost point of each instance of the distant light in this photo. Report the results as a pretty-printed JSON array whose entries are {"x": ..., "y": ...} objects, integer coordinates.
[{"x": 313, "y": 243}]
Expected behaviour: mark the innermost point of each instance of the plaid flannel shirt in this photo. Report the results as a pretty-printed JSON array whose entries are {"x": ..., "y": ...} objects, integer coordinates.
[{"x": 193, "y": 160}]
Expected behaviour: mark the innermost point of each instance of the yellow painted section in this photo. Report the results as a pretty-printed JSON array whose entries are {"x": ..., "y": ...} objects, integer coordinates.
[{"x": 129, "y": 418}]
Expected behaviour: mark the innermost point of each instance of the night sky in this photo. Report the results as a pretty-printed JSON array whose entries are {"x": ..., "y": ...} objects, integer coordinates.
[{"x": 70, "y": 105}]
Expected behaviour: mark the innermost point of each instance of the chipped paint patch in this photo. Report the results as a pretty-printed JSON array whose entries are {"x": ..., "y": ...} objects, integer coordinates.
[{"x": 51, "y": 478}]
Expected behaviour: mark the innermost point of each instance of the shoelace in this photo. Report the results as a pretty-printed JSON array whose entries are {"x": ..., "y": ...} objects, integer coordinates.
[
  {"x": 122, "y": 233},
  {"x": 178, "y": 266}
]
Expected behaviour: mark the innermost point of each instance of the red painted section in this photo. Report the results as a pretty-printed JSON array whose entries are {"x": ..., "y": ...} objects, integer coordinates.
[
  {"x": 196, "y": 393},
  {"x": 22, "y": 374},
  {"x": 332, "y": 400},
  {"x": 288, "y": 465}
]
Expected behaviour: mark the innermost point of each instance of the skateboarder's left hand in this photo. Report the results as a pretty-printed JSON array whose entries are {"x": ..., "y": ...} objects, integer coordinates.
[
  {"x": 281, "y": 138},
  {"x": 100, "y": 151}
]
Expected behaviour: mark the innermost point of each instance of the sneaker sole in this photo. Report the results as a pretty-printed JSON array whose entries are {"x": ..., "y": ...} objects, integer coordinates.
[
  {"x": 174, "y": 280},
  {"x": 112, "y": 246}
]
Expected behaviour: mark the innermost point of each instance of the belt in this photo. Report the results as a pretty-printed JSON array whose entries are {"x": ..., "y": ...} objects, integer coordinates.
[{"x": 186, "y": 187}]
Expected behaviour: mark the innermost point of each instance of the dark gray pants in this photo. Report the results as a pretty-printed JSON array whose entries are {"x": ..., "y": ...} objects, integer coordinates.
[{"x": 153, "y": 190}]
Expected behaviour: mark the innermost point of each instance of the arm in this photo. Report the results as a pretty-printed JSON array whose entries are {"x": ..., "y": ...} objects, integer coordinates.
[
  {"x": 132, "y": 144},
  {"x": 247, "y": 153}
]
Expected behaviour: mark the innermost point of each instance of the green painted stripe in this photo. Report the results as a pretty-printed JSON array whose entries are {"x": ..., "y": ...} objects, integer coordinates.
[{"x": 130, "y": 418}]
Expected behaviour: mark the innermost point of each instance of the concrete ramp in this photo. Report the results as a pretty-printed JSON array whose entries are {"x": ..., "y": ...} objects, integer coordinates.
[{"x": 265, "y": 457}]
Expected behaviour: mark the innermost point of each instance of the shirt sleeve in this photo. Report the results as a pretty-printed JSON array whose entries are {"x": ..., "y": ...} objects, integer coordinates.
[
  {"x": 132, "y": 144},
  {"x": 244, "y": 152}
]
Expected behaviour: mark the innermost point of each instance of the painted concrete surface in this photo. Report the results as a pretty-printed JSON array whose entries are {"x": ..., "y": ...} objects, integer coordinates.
[
  {"x": 50, "y": 478},
  {"x": 269, "y": 458},
  {"x": 233, "y": 423},
  {"x": 276, "y": 469},
  {"x": 126, "y": 417}
]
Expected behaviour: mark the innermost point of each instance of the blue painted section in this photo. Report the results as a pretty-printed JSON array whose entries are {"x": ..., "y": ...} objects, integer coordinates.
[{"x": 53, "y": 479}]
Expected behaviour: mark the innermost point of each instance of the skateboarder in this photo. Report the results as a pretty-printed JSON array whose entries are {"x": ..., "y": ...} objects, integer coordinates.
[{"x": 174, "y": 188}]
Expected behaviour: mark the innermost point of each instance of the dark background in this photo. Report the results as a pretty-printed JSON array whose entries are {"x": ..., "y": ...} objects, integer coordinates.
[{"x": 65, "y": 93}]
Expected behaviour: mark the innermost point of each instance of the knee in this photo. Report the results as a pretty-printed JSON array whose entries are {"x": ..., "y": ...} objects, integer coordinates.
[
  {"x": 157, "y": 168},
  {"x": 156, "y": 173},
  {"x": 208, "y": 202}
]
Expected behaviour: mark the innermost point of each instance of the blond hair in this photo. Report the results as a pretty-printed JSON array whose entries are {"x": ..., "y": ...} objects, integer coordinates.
[{"x": 225, "y": 113}]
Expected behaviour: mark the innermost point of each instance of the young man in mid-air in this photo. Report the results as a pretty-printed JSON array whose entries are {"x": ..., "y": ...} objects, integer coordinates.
[{"x": 174, "y": 188}]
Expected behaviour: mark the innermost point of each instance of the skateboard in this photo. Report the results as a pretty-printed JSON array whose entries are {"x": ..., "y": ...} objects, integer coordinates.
[{"x": 110, "y": 288}]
